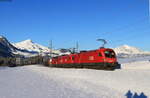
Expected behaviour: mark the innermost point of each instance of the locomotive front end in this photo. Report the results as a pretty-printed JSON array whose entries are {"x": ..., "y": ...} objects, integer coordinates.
[{"x": 110, "y": 59}]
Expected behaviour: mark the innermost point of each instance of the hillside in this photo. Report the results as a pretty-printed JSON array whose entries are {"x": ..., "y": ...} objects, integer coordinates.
[{"x": 6, "y": 48}]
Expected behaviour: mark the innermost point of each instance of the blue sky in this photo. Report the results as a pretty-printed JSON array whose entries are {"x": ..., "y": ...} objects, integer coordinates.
[{"x": 68, "y": 21}]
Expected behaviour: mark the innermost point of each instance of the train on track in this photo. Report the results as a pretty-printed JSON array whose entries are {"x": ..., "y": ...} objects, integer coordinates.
[{"x": 102, "y": 58}]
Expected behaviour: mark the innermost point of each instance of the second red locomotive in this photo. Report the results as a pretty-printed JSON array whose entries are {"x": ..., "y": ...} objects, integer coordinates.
[{"x": 103, "y": 58}]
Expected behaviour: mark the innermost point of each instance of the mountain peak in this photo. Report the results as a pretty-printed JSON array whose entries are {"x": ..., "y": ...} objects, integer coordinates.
[
  {"x": 127, "y": 49},
  {"x": 31, "y": 46},
  {"x": 126, "y": 46},
  {"x": 27, "y": 41}
]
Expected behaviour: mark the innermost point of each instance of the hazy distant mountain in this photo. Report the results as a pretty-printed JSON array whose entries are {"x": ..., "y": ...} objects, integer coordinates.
[{"x": 129, "y": 51}]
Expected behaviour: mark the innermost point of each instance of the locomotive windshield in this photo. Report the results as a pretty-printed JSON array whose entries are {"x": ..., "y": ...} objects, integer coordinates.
[{"x": 109, "y": 54}]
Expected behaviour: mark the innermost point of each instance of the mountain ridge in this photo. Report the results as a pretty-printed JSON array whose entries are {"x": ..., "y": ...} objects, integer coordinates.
[
  {"x": 32, "y": 46},
  {"x": 29, "y": 48},
  {"x": 123, "y": 49},
  {"x": 9, "y": 50},
  {"x": 6, "y": 48},
  {"x": 128, "y": 50}
]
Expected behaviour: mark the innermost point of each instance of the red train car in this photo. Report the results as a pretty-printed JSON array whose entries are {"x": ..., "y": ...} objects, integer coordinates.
[{"x": 103, "y": 58}]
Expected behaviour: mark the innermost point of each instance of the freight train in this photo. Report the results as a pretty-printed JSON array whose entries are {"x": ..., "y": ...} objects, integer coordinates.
[{"x": 102, "y": 58}]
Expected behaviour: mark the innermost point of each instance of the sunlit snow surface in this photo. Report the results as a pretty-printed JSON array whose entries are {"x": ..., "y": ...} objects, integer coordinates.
[{"x": 37, "y": 81}]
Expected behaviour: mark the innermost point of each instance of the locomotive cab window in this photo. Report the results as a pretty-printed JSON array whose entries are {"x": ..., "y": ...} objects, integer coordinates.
[
  {"x": 109, "y": 54},
  {"x": 73, "y": 58},
  {"x": 99, "y": 54}
]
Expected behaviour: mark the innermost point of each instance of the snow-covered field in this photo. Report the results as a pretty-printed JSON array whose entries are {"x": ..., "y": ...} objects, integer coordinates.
[{"x": 37, "y": 81}]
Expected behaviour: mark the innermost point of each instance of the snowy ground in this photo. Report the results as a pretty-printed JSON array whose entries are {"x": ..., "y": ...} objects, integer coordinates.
[{"x": 37, "y": 81}]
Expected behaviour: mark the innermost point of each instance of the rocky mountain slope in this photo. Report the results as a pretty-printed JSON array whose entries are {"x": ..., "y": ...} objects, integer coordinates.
[
  {"x": 26, "y": 48},
  {"x": 6, "y": 48},
  {"x": 9, "y": 50}
]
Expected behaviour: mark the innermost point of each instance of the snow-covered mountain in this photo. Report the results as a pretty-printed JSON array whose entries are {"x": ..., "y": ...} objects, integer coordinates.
[
  {"x": 6, "y": 48},
  {"x": 129, "y": 51},
  {"x": 31, "y": 46},
  {"x": 9, "y": 50},
  {"x": 26, "y": 48},
  {"x": 5, "y": 43}
]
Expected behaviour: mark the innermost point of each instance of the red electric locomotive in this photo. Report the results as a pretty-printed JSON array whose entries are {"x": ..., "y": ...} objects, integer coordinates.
[{"x": 103, "y": 58}]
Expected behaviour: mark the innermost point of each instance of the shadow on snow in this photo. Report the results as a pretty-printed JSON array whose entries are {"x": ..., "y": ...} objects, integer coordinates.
[{"x": 129, "y": 94}]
